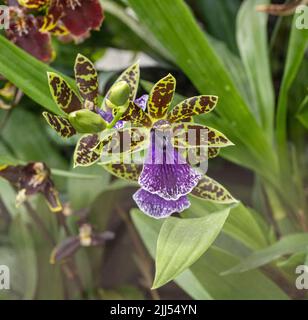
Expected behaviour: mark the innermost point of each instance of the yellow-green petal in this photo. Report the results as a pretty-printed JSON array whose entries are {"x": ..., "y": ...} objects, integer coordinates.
[
  {"x": 86, "y": 78},
  {"x": 161, "y": 97},
  {"x": 63, "y": 95},
  {"x": 192, "y": 107},
  {"x": 61, "y": 125}
]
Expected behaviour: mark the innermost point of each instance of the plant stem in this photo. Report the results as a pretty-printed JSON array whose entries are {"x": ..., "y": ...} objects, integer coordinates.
[
  {"x": 144, "y": 262},
  {"x": 68, "y": 268},
  {"x": 35, "y": 217}
]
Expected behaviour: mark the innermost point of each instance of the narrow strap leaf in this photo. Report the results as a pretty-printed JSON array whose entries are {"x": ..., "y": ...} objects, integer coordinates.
[
  {"x": 136, "y": 116},
  {"x": 63, "y": 95},
  {"x": 61, "y": 125},
  {"x": 86, "y": 78},
  {"x": 130, "y": 172},
  {"x": 191, "y": 107},
  {"x": 161, "y": 96},
  {"x": 87, "y": 150},
  {"x": 191, "y": 135},
  {"x": 209, "y": 189}
]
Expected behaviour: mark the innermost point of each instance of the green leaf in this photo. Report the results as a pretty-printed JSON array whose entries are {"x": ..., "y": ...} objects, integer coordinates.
[
  {"x": 303, "y": 112},
  {"x": 193, "y": 53},
  {"x": 241, "y": 224},
  {"x": 31, "y": 142},
  {"x": 139, "y": 29},
  {"x": 203, "y": 280},
  {"x": 181, "y": 242},
  {"x": 83, "y": 192},
  {"x": 252, "y": 42},
  {"x": 28, "y": 74},
  {"x": 224, "y": 27},
  {"x": 296, "y": 49},
  {"x": 288, "y": 245},
  {"x": 26, "y": 258}
]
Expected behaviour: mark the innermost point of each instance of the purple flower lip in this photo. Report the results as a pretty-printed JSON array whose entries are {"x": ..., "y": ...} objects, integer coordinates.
[
  {"x": 165, "y": 172},
  {"x": 157, "y": 207}
]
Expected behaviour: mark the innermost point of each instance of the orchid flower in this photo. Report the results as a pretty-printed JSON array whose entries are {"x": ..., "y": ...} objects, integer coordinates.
[
  {"x": 75, "y": 17},
  {"x": 31, "y": 179}
]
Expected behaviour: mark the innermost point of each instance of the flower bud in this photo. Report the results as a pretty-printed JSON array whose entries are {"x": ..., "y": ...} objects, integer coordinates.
[
  {"x": 86, "y": 121},
  {"x": 119, "y": 94}
]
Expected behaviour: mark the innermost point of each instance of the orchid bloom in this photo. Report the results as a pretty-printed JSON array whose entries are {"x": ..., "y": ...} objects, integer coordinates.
[
  {"x": 24, "y": 31},
  {"x": 31, "y": 179},
  {"x": 87, "y": 237},
  {"x": 165, "y": 184},
  {"x": 75, "y": 17}
]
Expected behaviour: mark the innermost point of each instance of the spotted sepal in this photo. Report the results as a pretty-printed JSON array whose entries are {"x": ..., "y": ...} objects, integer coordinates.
[
  {"x": 87, "y": 150},
  {"x": 161, "y": 96},
  {"x": 130, "y": 172},
  {"x": 86, "y": 78},
  {"x": 131, "y": 76},
  {"x": 199, "y": 155},
  {"x": 192, "y": 107},
  {"x": 61, "y": 125},
  {"x": 211, "y": 190},
  {"x": 136, "y": 116},
  {"x": 191, "y": 135},
  {"x": 126, "y": 140},
  {"x": 63, "y": 95},
  {"x": 213, "y": 152}
]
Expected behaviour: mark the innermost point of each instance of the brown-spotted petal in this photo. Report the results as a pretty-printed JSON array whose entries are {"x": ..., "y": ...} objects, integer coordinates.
[
  {"x": 136, "y": 116},
  {"x": 86, "y": 78},
  {"x": 124, "y": 141},
  {"x": 130, "y": 172},
  {"x": 61, "y": 125},
  {"x": 161, "y": 96},
  {"x": 87, "y": 151},
  {"x": 63, "y": 95},
  {"x": 191, "y": 135},
  {"x": 192, "y": 107},
  {"x": 211, "y": 190}
]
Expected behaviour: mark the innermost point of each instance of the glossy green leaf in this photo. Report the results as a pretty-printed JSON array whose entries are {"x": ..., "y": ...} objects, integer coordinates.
[
  {"x": 289, "y": 244},
  {"x": 27, "y": 73},
  {"x": 241, "y": 224},
  {"x": 26, "y": 257},
  {"x": 296, "y": 49},
  {"x": 303, "y": 112},
  {"x": 31, "y": 143},
  {"x": 224, "y": 27},
  {"x": 181, "y": 242},
  {"x": 203, "y": 280},
  {"x": 252, "y": 42},
  {"x": 82, "y": 192}
]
